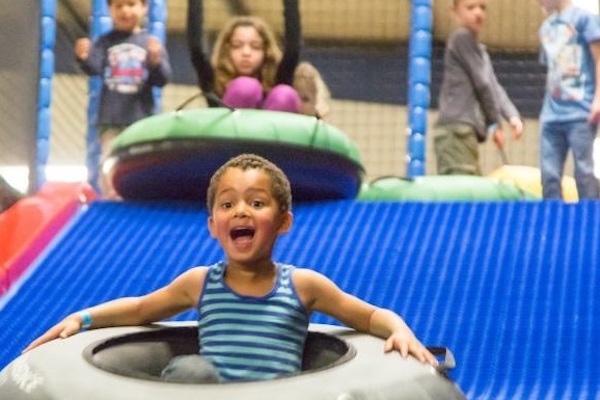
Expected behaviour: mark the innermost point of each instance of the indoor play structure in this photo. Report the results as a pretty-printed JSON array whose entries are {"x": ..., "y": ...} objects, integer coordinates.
[{"x": 510, "y": 287}]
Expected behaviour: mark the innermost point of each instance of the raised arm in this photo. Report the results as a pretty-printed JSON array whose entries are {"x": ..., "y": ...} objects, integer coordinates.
[
  {"x": 200, "y": 59},
  {"x": 159, "y": 66},
  {"x": 292, "y": 42},
  {"x": 90, "y": 55}
]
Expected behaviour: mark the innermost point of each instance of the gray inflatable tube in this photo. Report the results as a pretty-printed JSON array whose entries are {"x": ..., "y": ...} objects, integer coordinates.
[{"x": 124, "y": 363}]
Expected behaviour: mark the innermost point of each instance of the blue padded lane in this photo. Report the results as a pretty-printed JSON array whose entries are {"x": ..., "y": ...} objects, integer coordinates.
[{"x": 512, "y": 288}]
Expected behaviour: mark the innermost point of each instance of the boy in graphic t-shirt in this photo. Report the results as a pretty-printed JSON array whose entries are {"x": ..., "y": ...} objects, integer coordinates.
[
  {"x": 570, "y": 39},
  {"x": 130, "y": 62}
]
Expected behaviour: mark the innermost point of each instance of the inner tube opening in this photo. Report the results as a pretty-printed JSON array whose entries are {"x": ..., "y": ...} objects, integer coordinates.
[{"x": 143, "y": 355}]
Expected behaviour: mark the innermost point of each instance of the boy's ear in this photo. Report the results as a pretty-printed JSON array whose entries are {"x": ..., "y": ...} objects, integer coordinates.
[
  {"x": 286, "y": 222},
  {"x": 211, "y": 226}
]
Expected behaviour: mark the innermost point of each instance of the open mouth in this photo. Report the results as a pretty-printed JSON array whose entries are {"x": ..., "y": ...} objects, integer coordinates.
[{"x": 243, "y": 232}]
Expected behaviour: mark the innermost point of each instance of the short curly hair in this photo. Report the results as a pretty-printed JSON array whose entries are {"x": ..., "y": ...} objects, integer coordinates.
[{"x": 280, "y": 184}]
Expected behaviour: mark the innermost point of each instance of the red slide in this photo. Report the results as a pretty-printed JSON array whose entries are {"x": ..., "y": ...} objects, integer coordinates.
[{"x": 31, "y": 223}]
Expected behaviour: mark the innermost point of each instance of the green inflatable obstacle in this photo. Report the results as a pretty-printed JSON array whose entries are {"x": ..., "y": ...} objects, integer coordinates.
[
  {"x": 173, "y": 155},
  {"x": 442, "y": 188}
]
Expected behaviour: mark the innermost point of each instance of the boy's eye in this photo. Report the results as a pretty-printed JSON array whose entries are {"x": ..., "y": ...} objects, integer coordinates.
[
  {"x": 226, "y": 205},
  {"x": 258, "y": 203}
]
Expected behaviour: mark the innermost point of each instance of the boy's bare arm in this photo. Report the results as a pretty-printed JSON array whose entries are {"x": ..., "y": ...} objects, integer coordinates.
[
  {"x": 325, "y": 296},
  {"x": 113, "y": 313},
  {"x": 390, "y": 326},
  {"x": 176, "y": 297}
]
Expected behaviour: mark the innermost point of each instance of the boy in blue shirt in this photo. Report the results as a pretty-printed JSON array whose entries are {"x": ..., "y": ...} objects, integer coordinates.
[{"x": 570, "y": 39}]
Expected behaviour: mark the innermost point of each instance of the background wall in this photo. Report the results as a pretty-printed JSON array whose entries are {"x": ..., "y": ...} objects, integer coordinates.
[
  {"x": 18, "y": 82},
  {"x": 360, "y": 48}
]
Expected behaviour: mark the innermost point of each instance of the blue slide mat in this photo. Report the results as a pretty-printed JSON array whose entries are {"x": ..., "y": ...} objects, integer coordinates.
[{"x": 512, "y": 288}]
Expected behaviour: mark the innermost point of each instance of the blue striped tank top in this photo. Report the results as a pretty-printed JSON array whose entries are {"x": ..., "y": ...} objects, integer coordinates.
[{"x": 252, "y": 338}]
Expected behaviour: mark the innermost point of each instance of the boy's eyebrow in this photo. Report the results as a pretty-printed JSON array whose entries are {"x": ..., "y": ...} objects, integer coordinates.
[
  {"x": 254, "y": 190},
  {"x": 263, "y": 192},
  {"x": 223, "y": 191},
  {"x": 249, "y": 190}
]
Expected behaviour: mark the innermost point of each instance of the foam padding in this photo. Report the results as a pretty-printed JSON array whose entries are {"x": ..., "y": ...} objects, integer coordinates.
[
  {"x": 512, "y": 288},
  {"x": 31, "y": 223}
]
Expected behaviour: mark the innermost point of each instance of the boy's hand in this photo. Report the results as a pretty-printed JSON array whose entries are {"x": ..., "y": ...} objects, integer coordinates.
[
  {"x": 517, "y": 127},
  {"x": 67, "y": 327},
  {"x": 408, "y": 344},
  {"x": 594, "y": 117},
  {"x": 499, "y": 138},
  {"x": 82, "y": 48},
  {"x": 154, "y": 51}
]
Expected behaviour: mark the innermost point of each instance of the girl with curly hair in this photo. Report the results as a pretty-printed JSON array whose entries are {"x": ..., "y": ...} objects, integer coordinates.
[{"x": 247, "y": 68}]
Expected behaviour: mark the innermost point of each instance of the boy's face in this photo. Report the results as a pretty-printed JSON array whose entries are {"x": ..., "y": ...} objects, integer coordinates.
[
  {"x": 550, "y": 5},
  {"x": 246, "y": 219},
  {"x": 127, "y": 15},
  {"x": 471, "y": 14}
]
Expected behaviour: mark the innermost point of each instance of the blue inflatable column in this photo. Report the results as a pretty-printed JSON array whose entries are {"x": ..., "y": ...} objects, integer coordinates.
[
  {"x": 157, "y": 16},
  {"x": 37, "y": 177},
  {"x": 100, "y": 24},
  {"x": 419, "y": 82}
]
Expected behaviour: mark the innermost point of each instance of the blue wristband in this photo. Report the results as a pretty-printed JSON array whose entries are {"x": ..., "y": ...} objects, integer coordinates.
[{"x": 86, "y": 319}]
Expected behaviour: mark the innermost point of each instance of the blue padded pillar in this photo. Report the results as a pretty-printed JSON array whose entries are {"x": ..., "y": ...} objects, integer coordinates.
[
  {"x": 419, "y": 82},
  {"x": 157, "y": 17},
  {"x": 44, "y": 123},
  {"x": 100, "y": 23}
]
